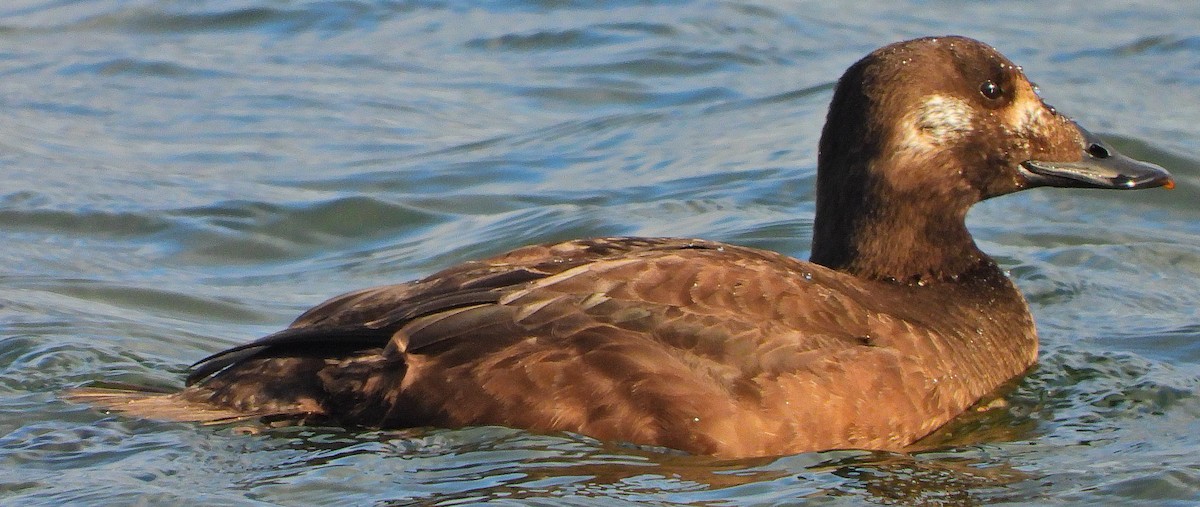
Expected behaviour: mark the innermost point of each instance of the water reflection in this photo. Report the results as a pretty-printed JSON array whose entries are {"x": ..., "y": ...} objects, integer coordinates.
[{"x": 492, "y": 464}]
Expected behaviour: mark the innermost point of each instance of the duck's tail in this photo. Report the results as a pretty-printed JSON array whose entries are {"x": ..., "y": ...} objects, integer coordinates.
[
  {"x": 306, "y": 387},
  {"x": 274, "y": 390},
  {"x": 156, "y": 405}
]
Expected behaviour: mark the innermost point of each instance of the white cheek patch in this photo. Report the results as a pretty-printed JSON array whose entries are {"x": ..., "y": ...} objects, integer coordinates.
[
  {"x": 938, "y": 121},
  {"x": 946, "y": 118},
  {"x": 1028, "y": 117}
]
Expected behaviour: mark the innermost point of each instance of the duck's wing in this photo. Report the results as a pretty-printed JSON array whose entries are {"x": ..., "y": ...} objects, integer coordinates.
[
  {"x": 681, "y": 345},
  {"x": 369, "y": 318}
]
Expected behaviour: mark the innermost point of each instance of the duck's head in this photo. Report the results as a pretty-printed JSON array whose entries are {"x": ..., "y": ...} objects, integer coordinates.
[{"x": 920, "y": 130}]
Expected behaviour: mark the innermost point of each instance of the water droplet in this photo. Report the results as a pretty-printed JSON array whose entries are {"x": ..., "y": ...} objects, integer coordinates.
[{"x": 808, "y": 276}]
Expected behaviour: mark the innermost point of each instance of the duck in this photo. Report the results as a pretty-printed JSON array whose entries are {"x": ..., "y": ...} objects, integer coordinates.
[{"x": 896, "y": 324}]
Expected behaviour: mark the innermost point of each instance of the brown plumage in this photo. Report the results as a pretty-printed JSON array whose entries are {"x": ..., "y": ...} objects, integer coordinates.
[{"x": 898, "y": 324}]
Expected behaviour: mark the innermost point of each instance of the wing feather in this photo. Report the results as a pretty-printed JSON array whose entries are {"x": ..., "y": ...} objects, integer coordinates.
[{"x": 371, "y": 318}]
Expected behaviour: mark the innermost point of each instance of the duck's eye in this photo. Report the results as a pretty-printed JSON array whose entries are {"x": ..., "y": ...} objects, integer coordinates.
[{"x": 990, "y": 90}]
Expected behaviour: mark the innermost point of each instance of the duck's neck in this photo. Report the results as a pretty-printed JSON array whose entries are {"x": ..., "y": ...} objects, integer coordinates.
[
  {"x": 882, "y": 211},
  {"x": 902, "y": 238}
]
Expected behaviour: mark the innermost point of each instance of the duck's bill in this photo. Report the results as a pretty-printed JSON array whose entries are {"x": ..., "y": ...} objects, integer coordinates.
[{"x": 1100, "y": 167}]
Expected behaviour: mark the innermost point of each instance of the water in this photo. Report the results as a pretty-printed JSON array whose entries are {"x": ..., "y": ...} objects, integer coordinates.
[{"x": 182, "y": 176}]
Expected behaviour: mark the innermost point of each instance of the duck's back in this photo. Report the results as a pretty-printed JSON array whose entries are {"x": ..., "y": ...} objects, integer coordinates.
[{"x": 688, "y": 344}]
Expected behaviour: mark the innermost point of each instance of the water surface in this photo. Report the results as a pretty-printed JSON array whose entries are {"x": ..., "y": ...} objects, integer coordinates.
[{"x": 180, "y": 177}]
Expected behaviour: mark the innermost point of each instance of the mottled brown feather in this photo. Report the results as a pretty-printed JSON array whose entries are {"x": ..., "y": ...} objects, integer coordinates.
[{"x": 684, "y": 343}]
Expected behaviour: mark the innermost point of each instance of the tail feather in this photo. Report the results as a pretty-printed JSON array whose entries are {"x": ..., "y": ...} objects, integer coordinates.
[
  {"x": 157, "y": 405},
  {"x": 275, "y": 390}
]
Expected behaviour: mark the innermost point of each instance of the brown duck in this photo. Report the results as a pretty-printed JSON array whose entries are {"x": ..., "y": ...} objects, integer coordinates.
[{"x": 897, "y": 324}]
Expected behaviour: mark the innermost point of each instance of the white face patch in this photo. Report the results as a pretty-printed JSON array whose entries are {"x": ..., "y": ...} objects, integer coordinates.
[
  {"x": 1028, "y": 117},
  {"x": 938, "y": 121},
  {"x": 945, "y": 118}
]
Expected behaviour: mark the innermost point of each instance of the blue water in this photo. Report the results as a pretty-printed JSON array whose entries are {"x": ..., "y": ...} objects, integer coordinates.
[{"x": 184, "y": 176}]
